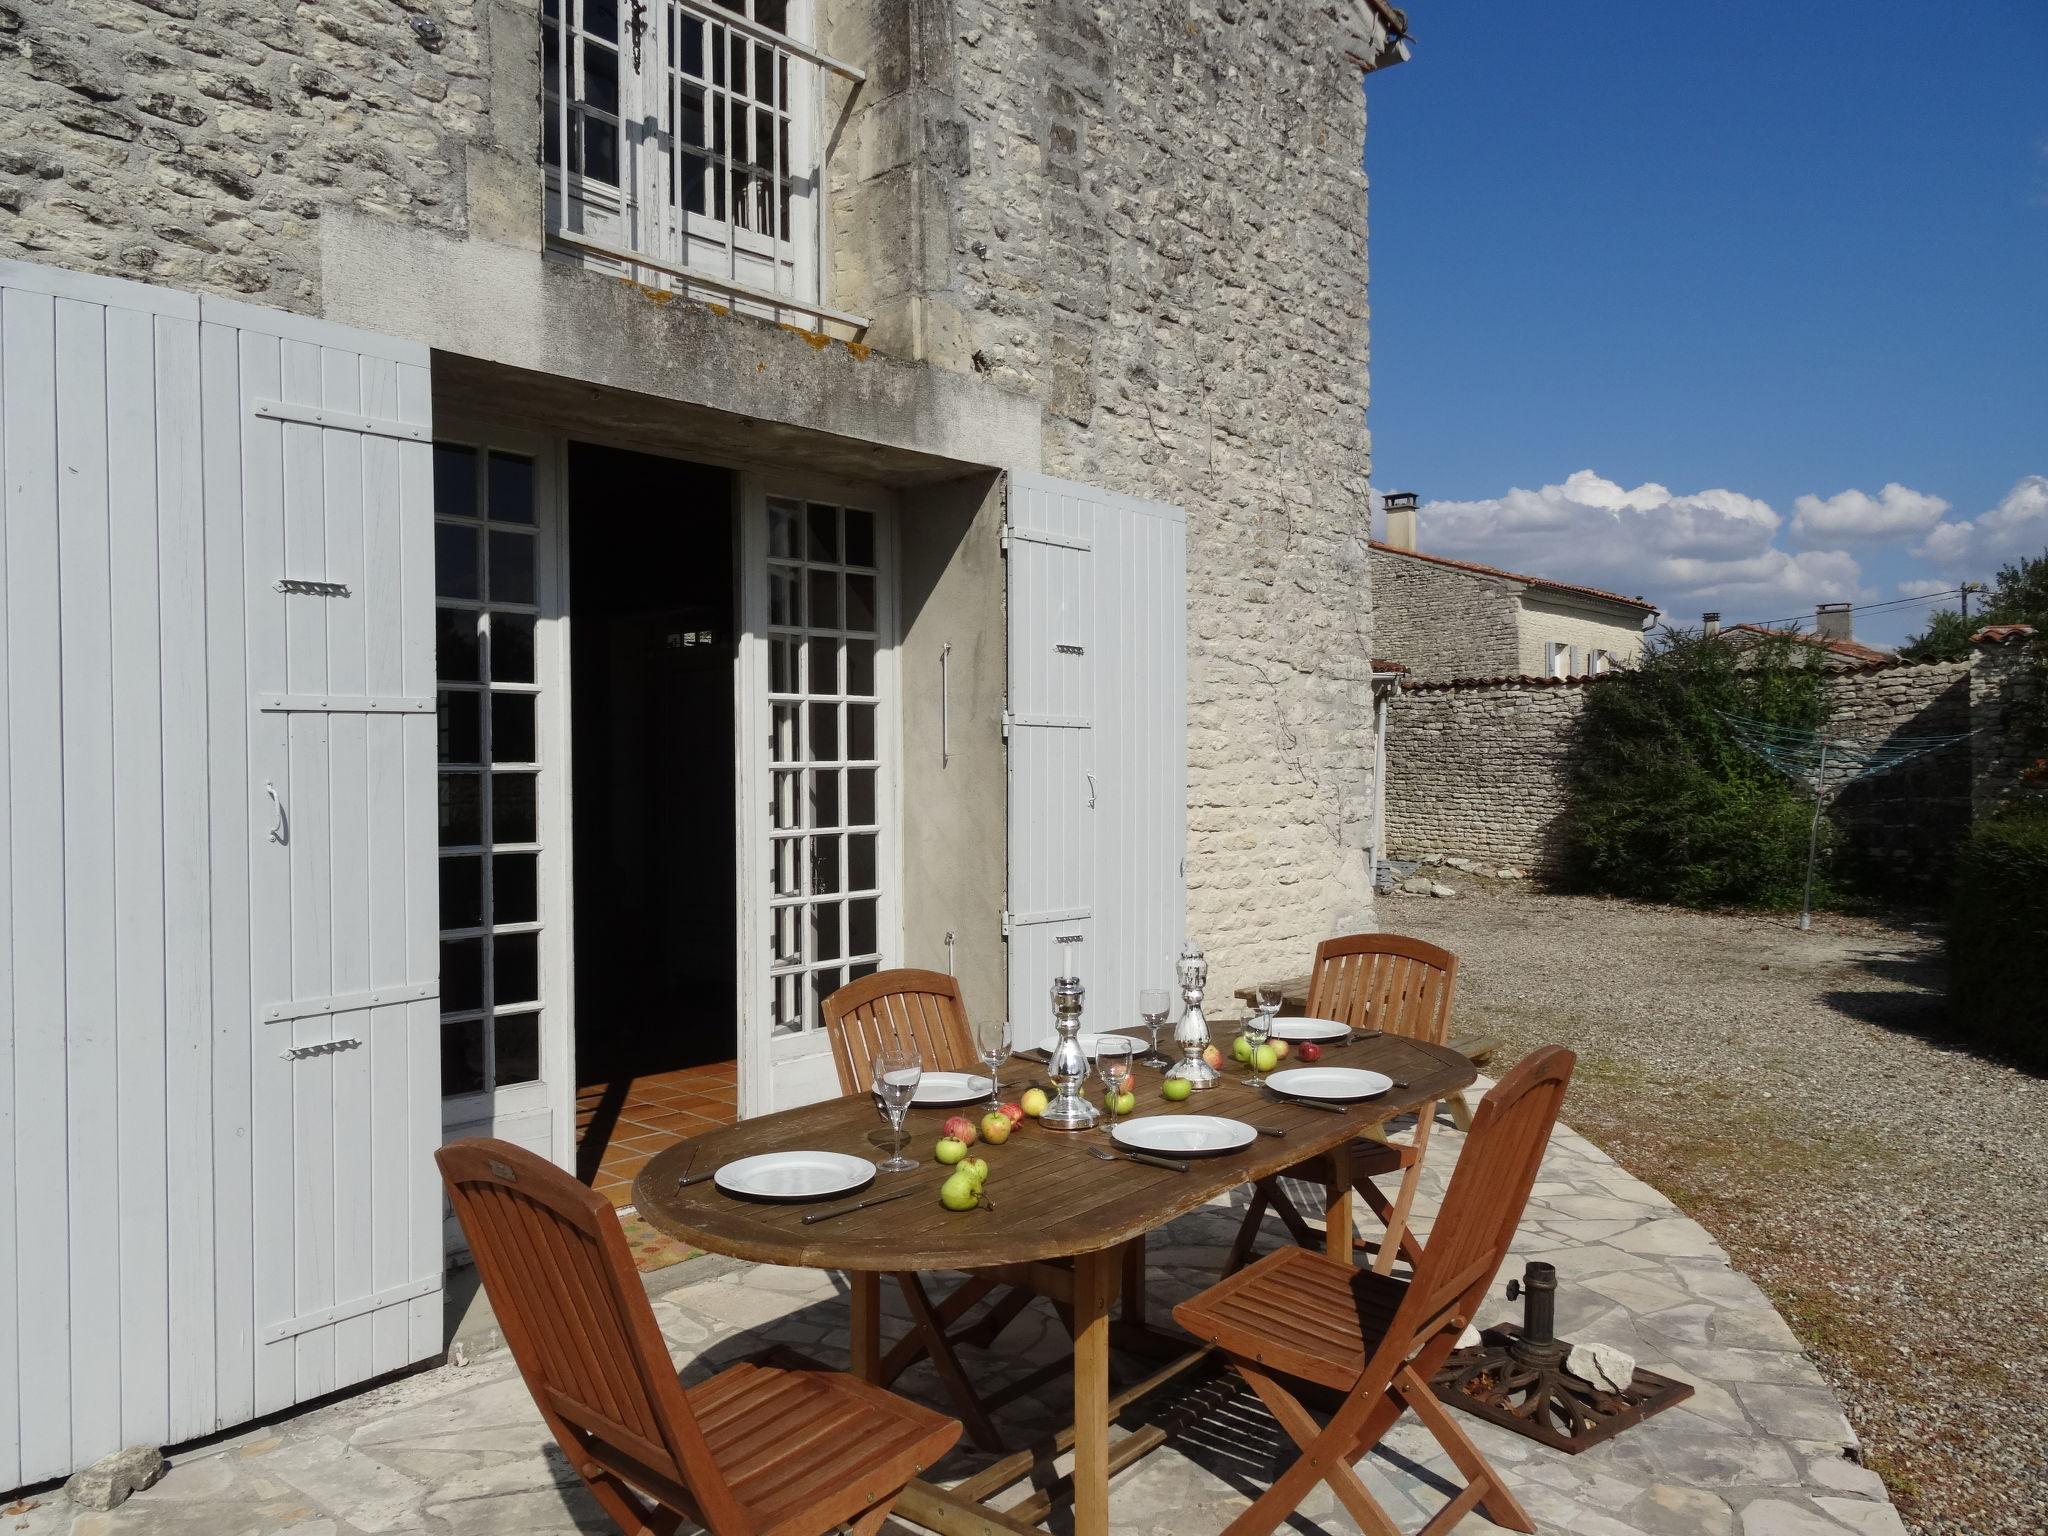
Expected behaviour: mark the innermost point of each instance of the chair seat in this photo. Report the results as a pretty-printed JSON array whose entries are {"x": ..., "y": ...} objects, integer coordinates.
[
  {"x": 1364, "y": 1159},
  {"x": 1297, "y": 1312},
  {"x": 804, "y": 1451}
]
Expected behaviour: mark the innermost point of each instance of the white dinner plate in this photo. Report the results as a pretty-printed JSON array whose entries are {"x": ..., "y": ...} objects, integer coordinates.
[
  {"x": 1328, "y": 1083},
  {"x": 1087, "y": 1044},
  {"x": 1184, "y": 1135},
  {"x": 795, "y": 1175},
  {"x": 938, "y": 1090},
  {"x": 1309, "y": 1029}
]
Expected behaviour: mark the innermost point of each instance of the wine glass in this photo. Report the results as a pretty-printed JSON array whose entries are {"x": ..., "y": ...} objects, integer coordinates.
[
  {"x": 897, "y": 1069},
  {"x": 1154, "y": 1005},
  {"x": 1258, "y": 1029},
  {"x": 1116, "y": 1059},
  {"x": 992, "y": 1039}
]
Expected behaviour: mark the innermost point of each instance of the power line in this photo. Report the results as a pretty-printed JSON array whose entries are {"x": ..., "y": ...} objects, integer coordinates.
[{"x": 1797, "y": 619}]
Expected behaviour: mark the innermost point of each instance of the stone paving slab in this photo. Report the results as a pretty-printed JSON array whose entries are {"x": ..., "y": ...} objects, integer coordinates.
[{"x": 1761, "y": 1449}]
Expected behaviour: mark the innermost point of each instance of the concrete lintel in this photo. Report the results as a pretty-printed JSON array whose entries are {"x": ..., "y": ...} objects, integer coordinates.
[{"x": 551, "y": 318}]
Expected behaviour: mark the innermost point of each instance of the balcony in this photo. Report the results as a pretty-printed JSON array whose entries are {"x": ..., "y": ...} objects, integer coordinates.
[{"x": 682, "y": 145}]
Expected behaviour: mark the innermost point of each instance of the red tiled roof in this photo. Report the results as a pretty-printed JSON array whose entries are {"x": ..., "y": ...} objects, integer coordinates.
[
  {"x": 1991, "y": 634},
  {"x": 1517, "y": 680},
  {"x": 1849, "y": 650},
  {"x": 1534, "y": 581},
  {"x": 1381, "y": 664}
]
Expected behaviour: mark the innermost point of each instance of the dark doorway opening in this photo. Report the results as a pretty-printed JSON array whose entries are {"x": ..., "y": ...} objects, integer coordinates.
[{"x": 652, "y": 617}]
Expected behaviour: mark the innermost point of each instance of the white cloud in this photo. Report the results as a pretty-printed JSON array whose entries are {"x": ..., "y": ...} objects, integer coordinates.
[
  {"x": 2018, "y": 525},
  {"x": 1925, "y": 586},
  {"x": 1856, "y": 517},
  {"x": 1704, "y": 549}
]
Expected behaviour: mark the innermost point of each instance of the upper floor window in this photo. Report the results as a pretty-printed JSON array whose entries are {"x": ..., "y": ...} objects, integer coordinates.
[{"x": 681, "y": 144}]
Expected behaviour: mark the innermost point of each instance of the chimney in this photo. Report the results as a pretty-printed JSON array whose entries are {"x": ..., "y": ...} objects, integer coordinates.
[
  {"x": 1710, "y": 623},
  {"x": 1401, "y": 518},
  {"x": 1833, "y": 621}
]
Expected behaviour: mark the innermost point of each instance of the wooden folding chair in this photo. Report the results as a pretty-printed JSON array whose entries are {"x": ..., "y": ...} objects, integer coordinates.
[
  {"x": 1368, "y": 981},
  {"x": 923, "y": 1008},
  {"x": 1379, "y": 1340},
  {"x": 758, "y": 1450}
]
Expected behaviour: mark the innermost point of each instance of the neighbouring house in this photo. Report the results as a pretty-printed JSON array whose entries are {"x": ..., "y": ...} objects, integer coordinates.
[
  {"x": 1446, "y": 618},
  {"x": 1831, "y": 643},
  {"x": 542, "y": 540}
]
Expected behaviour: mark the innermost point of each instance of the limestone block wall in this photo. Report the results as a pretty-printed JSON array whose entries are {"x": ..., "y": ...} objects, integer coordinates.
[
  {"x": 1152, "y": 220},
  {"x": 1443, "y": 623},
  {"x": 2008, "y": 710},
  {"x": 198, "y": 143},
  {"x": 1479, "y": 768}
]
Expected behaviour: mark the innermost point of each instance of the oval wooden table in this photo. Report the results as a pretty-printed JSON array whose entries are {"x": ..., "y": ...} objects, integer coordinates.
[{"x": 1051, "y": 1200}]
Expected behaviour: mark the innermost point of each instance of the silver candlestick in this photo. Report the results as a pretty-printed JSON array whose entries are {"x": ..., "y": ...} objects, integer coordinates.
[
  {"x": 1068, "y": 1066},
  {"x": 1193, "y": 1034}
]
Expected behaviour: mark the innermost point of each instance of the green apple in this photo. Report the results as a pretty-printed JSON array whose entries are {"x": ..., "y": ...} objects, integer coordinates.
[
  {"x": 1177, "y": 1088},
  {"x": 1265, "y": 1058},
  {"x": 1126, "y": 1102},
  {"x": 950, "y": 1149},
  {"x": 975, "y": 1169},
  {"x": 960, "y": 1193},
  {"x": 1033, "y": 1103},
  {"x": 1242, "y": 1049}
]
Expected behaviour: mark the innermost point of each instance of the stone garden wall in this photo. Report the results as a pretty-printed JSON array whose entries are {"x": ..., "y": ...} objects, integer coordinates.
[{"x": 1477, "y": 768}]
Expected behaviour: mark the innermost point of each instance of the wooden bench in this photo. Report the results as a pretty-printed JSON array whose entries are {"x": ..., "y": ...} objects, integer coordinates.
[{"x": 1477, "y": 1049}]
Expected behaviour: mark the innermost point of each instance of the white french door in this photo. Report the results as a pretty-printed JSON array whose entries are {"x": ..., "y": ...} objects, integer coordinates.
[
  {"x": 819, "y": 816},
  {"x": 501, "y": 789}
]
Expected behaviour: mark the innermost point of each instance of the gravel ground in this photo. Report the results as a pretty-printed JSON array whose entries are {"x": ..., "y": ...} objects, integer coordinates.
[{"x": 1792, "y": 1093}]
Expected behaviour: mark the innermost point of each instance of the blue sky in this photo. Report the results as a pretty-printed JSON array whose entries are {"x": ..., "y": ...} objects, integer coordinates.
[{"x": 1646, "y": 275}]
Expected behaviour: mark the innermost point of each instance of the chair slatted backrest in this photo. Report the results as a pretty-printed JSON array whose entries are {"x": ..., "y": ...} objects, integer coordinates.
[
  {"x": 555, "y": 1265},
  {"x": 1385, "y": 981},
  {"x": 919, "y": 1007},
  {"x": 1488, "y": 1191}
]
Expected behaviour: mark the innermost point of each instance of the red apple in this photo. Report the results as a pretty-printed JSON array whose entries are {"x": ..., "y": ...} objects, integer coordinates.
[
  {"x": 1310, "y": 1051},
  {"x": 995, "y": 1127},
  {"x": 1013, "y": 1112},
  {"x": 1212, "y": 1055},
  {"x": 960, "y": 1128}
]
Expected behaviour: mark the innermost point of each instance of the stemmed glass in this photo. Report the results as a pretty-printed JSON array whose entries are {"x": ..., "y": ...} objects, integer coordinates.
[
  {"x": 897, "y": 1069},
  {"x": 1258, "y": 1029},
  {"x": 1115, "y": 1063},
  {"x": 992, "y": 1039},
  {"x": 1154, "y": 1005}
]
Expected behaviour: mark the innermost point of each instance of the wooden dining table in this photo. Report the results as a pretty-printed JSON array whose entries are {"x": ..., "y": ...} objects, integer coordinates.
[{"x": 1051, "y": 1205}]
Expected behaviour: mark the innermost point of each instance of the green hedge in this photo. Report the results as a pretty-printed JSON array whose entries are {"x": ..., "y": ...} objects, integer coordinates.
[{"x": 1998, "y": 934}]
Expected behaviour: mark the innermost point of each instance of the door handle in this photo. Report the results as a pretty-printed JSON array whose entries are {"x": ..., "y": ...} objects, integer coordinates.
[
  {"x": 282, "y": 832},
  {"x": 1091, "y": 789}
]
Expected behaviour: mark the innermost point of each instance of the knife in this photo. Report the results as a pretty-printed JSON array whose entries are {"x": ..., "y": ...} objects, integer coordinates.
[
  {"x": 858, "y": 1205},
  {"x": 1155, "y": 1162},
  {"x": 1335, "y": 1109}
]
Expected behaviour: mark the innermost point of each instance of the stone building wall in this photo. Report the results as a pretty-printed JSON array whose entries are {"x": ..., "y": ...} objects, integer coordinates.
[
  {"x": 198, "y": 143},
  {"x": 1545, "y": 619},
  {"x": 1150, "y": 222},
  {"x": 1443, "y": 623},
  {"x": 2009, "y": 712},
  {"x": 1479, "y": 768},
  {"x": 1153, "y": 221}
]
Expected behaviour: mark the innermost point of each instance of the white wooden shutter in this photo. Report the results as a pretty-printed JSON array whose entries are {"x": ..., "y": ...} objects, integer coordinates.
[
  {"x": 194, "y": 1229},
  {"x": 332, "y": 432},
  {"x": 1097, "y": 727}
]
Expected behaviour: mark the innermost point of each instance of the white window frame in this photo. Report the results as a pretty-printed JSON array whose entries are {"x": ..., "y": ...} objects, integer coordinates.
[
  {"x": 1557, "y": 659},
  {"x": 777, "y": 1071},
  {"x": 633, "y": 228}
]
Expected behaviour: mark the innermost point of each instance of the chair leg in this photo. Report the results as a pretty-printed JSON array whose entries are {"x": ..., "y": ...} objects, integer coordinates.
[
  {"x": 1248, "y": 1230},
  {"x": 1488, "y": 1491},
  {"x": 947, "y": 1364},
  {"x": 1404, "y": 1198},
  {"x": 870, "y": 1522},
  {"x": 1409, "y": 1249},
  {"x": 909, "y": 1349},
  {"x": 1318, "y": 1462}
]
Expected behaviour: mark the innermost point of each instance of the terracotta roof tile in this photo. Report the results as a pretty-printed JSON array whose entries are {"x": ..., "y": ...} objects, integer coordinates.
[
  {"x": 1534, "y": 581},
  {"x": 1992, "y": 634},
  {"x": 1848, "y": 650}
]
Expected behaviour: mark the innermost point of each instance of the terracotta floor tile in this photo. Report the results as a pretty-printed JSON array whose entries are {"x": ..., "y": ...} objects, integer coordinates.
[{"x": 673, "y": 1119}]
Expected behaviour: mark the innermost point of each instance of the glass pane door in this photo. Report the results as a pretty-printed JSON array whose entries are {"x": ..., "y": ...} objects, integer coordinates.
[
  {"x": 825, "y": 797},
  {"x": 486, "y": 583}
]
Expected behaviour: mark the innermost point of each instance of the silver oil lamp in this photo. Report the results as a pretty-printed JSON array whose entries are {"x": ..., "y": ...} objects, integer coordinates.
[
  {"x": 1068, "y": 1065},
  {"x": 1193, "y": 1034}
]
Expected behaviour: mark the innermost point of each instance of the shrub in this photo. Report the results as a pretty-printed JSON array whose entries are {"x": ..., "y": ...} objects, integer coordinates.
[
  {"x": 1665, "y": 805},
  {"x": 1998, "y": 934}
]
